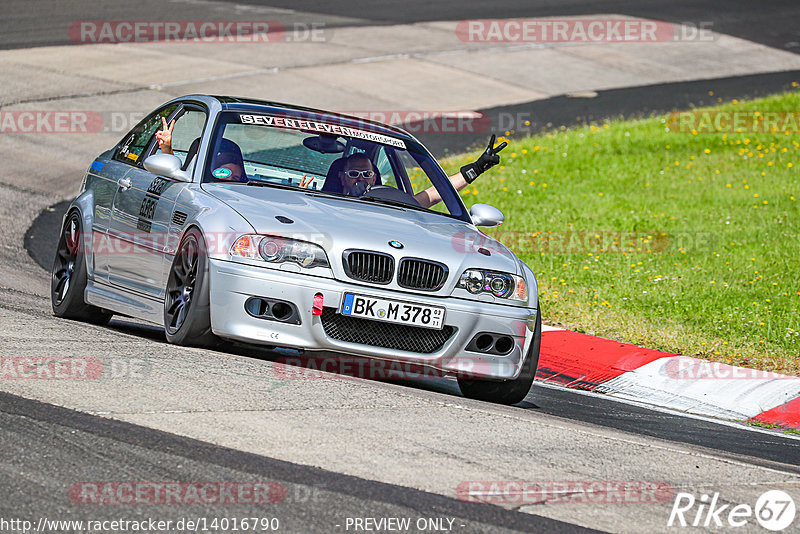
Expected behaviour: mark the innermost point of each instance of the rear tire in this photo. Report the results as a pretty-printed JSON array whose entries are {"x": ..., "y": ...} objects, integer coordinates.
[
  {"x": 68, "y": 278},
  {"x": 187, "y": 310},
  {"x": 508, "y": 391}
]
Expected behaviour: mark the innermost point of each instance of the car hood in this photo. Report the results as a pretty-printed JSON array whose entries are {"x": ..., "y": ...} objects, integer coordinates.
[{"x": 339, "y": 224}]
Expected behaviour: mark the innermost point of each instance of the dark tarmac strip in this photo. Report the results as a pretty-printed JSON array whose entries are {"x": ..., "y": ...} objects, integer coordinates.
[
  {"x": 627, "y": 103},
  {"x": 46, "y": 450},
  {"x": 773, "y": 23},
  {"x": 23, "y": 23}
]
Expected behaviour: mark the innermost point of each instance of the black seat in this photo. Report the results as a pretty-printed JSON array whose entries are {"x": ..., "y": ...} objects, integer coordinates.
[
  {"x": 227, "y": 152},
  {"x": 191, "y": 154},
  {"x": 332, "y": 182}
]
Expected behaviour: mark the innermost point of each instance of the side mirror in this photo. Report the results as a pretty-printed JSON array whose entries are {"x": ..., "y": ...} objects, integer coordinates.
[
  {"x": 486, "y": 215},
  {"x": 167, "y": 165}
]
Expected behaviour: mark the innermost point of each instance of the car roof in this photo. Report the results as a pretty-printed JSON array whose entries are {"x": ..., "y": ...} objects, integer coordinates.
[{"x": 252, "y": 105}]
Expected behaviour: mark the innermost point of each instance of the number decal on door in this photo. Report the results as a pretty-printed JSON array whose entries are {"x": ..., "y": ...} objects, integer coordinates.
[{"x": 148, "y": 208}]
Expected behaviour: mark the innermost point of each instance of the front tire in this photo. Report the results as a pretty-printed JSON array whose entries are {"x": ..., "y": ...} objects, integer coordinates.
[
  {"x": 187, "y": 310},
  {"x": 508, "y": 391},
  {"x": 68, "y": 279}
]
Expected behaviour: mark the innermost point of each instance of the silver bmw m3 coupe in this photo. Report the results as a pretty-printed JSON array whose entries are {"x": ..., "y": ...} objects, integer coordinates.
[{"x": 298, "y": 228}]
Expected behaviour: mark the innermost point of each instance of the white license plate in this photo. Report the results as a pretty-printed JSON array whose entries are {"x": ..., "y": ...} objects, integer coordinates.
[{"x": 392, "y": 311}]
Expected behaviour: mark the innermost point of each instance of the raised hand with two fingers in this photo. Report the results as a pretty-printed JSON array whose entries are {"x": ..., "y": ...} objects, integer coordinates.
[{"x": 164, "y": 136}]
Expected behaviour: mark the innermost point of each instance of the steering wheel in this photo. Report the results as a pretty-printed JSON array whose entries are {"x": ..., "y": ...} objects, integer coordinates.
[{"x": 388, "y": 192}]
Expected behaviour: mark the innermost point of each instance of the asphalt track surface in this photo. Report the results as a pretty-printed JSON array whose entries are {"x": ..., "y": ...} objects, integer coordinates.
[
  {"x": 27, "y": 23},
  {"x": 40, "y": 438},
  {"x": 754, "y": 21},
  {"x": 22, "y": 25},
  {"x": 734, "y": 440},
  {"x": 47, "y": 448}
]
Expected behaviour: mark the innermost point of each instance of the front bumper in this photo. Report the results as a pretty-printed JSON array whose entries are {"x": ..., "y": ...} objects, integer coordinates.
[{"x": 231, "y": 284}]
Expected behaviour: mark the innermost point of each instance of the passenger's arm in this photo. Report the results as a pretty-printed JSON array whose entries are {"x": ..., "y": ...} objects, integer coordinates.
[
  {"x": 468, "y": 174},
  {"x": 430, "y": 197}
]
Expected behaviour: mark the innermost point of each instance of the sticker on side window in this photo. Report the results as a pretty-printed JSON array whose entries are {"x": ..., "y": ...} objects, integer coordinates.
[{"x": 221, "y": 173}]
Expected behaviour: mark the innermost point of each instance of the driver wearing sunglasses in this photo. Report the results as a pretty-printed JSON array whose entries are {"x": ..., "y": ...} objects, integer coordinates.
[{"x": 357, "y": 175}]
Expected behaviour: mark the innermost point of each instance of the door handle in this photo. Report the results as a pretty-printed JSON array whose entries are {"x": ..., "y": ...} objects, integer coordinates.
[{"x": 124, "y": 183}]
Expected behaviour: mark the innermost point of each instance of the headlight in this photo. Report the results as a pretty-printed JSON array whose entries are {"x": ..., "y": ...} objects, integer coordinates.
[
  {"x": 501, "y": 285},
  {"x": 279, "y": 250}
]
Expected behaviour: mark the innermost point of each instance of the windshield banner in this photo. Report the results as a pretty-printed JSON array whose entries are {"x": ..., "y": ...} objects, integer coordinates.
[{"x": 303, "y": 124}]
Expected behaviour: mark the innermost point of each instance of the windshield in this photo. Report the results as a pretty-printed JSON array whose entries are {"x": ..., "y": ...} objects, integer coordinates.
[{"x": 328, "y": 158}]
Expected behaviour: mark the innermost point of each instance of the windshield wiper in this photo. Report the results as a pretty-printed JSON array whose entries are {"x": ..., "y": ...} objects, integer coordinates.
[
  {"x": 328, "y": 194},
  {"x": 387, "y": 202},
  {"x": 348, "y": 198},
  {"x": 397, "y": 203},
  {"x": 260, "y": 183}
]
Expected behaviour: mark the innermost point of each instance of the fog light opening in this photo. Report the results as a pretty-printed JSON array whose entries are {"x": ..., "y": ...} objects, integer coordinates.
[
  {"x": 281, "y": 311},
  {"x": 256, "y": 306}
]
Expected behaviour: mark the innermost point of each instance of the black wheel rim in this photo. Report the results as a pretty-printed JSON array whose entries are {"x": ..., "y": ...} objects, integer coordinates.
[
  {"x": 66, "y": 258},
  {"x": 180, "y": 287}
]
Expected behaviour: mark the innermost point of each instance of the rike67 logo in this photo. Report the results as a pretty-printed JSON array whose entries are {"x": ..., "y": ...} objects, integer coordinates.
[{"x": 774, "y": 510}]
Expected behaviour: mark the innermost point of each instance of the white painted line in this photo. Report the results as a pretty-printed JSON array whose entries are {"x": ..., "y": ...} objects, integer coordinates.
[
  {"x": 225, "y": 7},
  {"x": 670, "y": 411},
  {"x": 662, "y": 383},
  {"x": 158, "y": 86}
]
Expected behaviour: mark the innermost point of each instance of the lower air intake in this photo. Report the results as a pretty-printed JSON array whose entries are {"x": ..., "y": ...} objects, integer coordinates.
[{"x": 385, "y": 335}]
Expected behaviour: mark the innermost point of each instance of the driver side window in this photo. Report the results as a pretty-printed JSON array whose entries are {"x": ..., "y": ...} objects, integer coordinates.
[
  {"x": 385, "y": 168},
  {"x": 130, "y": 150},
  {"x": 188, "y": 127}
]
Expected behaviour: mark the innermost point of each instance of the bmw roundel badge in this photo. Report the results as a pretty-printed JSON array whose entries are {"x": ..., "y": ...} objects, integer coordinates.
[{"x": 395, "y": 244}]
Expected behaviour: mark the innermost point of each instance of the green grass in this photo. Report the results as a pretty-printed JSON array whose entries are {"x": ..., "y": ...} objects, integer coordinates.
[
  {"x": 772, "y": 426},
  {"x": 708, "y": 260}
]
